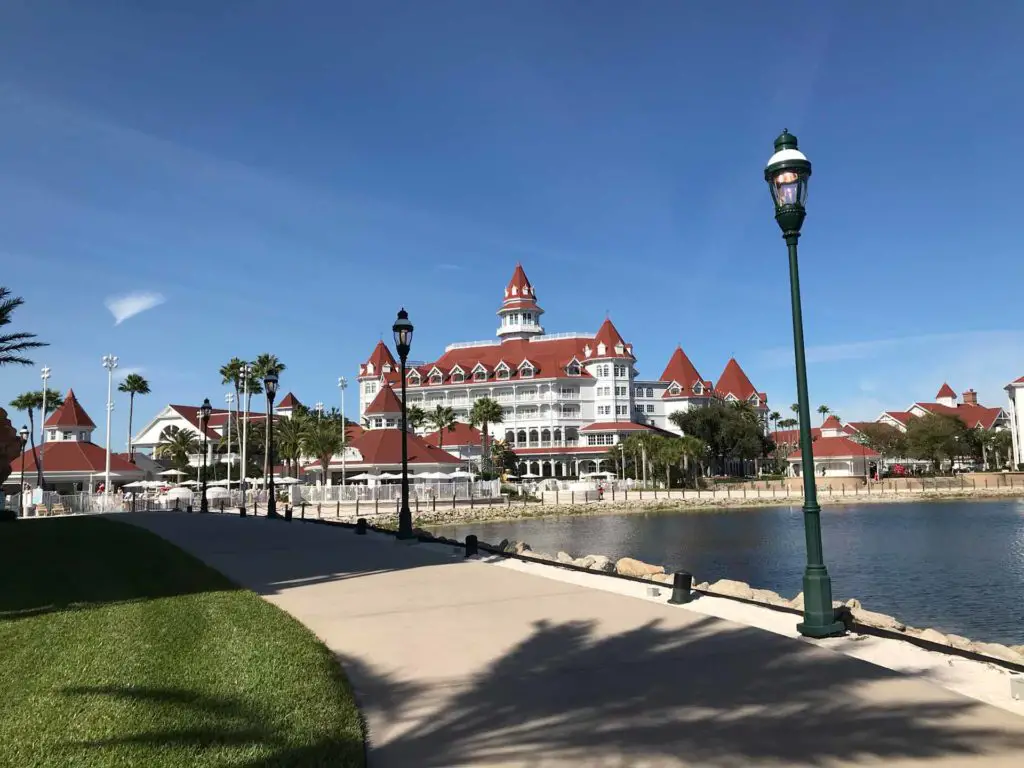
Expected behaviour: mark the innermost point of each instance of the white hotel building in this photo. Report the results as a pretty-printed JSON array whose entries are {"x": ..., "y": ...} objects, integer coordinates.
[{"x": 567, "y": 397}]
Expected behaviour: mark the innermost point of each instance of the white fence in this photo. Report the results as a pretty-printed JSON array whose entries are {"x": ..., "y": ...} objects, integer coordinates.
[{"x": 482, "y": 489}]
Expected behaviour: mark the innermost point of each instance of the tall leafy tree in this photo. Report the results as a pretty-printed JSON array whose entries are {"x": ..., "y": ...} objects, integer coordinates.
[
  {"x": 729, "y": 430},
  {"x": 266, "y": 364},
  {"x": 231, "y": 374},
  {"x": 178, "y": 444},
  {"x": 795, "y": 407},
  {"x": 288, "y": 435},
  {"x": 323, "y": 440},
  {"x": 485, "y": 412},
  {"x": 14, "y": 346},
  {"x": 443, "y": 420},
  {"x": 133, "y": 385},
  {"x": 30, "y": 402},
  {"x": 935, "y": 437}
]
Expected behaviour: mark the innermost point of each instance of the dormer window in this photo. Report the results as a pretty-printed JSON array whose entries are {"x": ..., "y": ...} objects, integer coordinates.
[
  {"x": 479, "y": 375},
  {"x": 386, "y": 368},
  {"x": 601, "y": 348},
  {"x": 754, "y": 399},
  {"x": 573, "y": 368},
  {"x": 675, "y": 389},
  {"x": 436, "y": 378},
  {"x": 458, "y": 376},
  {"x": 369, "y": 369},
  {"x": 526, "y": 372},
  {"x": 414, "y": 377},
  {"x": 501, "y": 371},
  {"x": 619, "y": 349},
  {"x": 698, "y": 388}
]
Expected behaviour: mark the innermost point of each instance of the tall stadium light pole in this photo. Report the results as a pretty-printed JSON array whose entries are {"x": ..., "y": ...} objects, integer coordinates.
[
  {"x": 342, "y": 386},
  {"x": 787, "y": 173},
  {"x": 44, "y": 374},
  {"x": 229, "y": 398},
  {"x": 245, "y": 374},
  {"x": 110, "y": 363}
]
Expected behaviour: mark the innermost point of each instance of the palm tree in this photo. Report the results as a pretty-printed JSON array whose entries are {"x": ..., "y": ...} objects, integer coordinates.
[
  {"x": 795, "y": 407},
  {"x": 668, "y": 451},
  {"x": 288, "y": 437},
  {"x": 693, "y": 449},
  {"x": 443, "y": 420},
  {"x": 824, "y": 411},
  {"x": 177, "y": 444},
  {"x": 484, "y": 412},
  {"x": 29, "y": 402},
  {"x": 416, "y": 416},
  {"x": 14, "y": 345},
  {"x": 231, "y": 373},
  {"x": 774, "y": 417},
  {"x": 134, "y": 385},
  {"x": 323, "y": 439},
  {"x": 266, "y": 364}
]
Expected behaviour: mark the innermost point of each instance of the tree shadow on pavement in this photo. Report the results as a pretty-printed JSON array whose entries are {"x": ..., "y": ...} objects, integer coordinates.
[{"x": 712, "y": 695}]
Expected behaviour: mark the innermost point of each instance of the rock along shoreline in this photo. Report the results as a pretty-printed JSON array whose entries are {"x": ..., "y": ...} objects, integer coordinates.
[{"x": 628, "y": 566}]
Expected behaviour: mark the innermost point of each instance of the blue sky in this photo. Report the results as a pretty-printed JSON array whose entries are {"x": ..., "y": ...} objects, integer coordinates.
[{"x": 287, "y": 175}]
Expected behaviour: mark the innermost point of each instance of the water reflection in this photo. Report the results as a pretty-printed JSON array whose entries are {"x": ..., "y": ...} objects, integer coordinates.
[{"x": 956, "y": 566}]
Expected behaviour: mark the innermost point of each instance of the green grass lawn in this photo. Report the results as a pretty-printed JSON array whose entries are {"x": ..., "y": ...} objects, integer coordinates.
[{"x": 117, "y": 648}]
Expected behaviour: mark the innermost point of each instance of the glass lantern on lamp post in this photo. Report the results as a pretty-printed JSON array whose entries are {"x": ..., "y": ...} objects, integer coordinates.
[
  {"x": 787, "y": 173},
  {"x": 204, "y": 422},
  {"x": 403, "y": 342}
]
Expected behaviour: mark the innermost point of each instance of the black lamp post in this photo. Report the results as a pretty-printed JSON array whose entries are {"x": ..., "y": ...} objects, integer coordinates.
[
  {"x": 787, "y": 174},
  {"x": 23, "y": 434},
  {"x": 204, "y": 421},
  {"x": 270, "y": 385},
  {"x": 403, "y": 341}
]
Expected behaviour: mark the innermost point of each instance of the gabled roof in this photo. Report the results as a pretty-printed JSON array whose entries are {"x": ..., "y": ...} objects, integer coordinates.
[
  {"x": 385, "y": 402},
  {"x": 836, "y": 447},
  {"x": 462, "y": 434},
  {"x": 77, "y": 456},
  {"x": 899, "y": 416},
  {"x": 288, "y": 401},
  {"x": 734, "y": 381},
  {"x": 971, "y": 415},
  {"x": 380, "y": 357},
  {"x": 70, "y": 414},
  {"x": 832, "y": 422},
  {"x": 190, "y": 413},
  {"x": 609, "y": 335},
  {"x": 945, "y": 391},
  {"x": 384, "y": 446}
]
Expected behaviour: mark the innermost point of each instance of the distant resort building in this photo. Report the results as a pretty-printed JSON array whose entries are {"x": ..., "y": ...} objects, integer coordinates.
[
  {"x": 567, "y": 398},
  {"x": 1015, "y": 418}
]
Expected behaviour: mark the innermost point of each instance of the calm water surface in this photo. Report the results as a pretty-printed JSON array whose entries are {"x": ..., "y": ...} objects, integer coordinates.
[{"x": 955, "y": 566}]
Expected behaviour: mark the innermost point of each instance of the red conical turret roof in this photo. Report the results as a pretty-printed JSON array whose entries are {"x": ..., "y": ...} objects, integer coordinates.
[
  {"x": 380, "y": 357},
  {"x": 734, "y": 381},
  {"x": 945, "y": 391},
  {"x": 680, "y": 370},
  {"x": 70, "y": 414},
  {"x": 386, "y": 401},
  {"x": 609, "y": 335}
]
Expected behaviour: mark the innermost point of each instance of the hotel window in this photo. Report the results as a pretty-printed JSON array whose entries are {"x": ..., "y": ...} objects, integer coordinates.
[
  {"x": 502, "y": 374},
  {"x": 458, "y": 378},
  {"x": 414, "y": 378},
  {"x": 620, "y": 371},
  {"x": 389, "y": 423},
  {"x": 529, "y": 317},
  {"x": 53, "y": 434},
  {"x": 674, "y": 389},
  {"x": 621, "y": 410},
  {"x": 650, "y": 392},
  {"x": 650, "y": 408},
  {"x": 480, "y": 376},
  {"x": 67, "y": 436},
  {"x": 621, "y": 391},
  {"x": 435, "y": 378},
  {"x": 526, "y": 373},
  {"x": 573, "y": 369},
  {"x": 369, "y": 388},
  {"x": 378, "y": 422},
  {"x": 81, "y": 436},
  {"x": 604, "y": 410}
]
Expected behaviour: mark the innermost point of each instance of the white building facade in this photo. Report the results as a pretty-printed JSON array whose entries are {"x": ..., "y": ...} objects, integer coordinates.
[{"x": 567, "y": 398}]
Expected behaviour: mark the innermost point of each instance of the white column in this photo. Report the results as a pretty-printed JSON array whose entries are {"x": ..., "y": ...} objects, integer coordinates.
[
  {"x": 45, "y": 376},
  {"x": 342, "y": 385}
]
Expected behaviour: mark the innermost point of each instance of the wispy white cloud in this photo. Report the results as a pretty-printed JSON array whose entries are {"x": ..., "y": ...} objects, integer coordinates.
[{"x": 131, "y": 304}]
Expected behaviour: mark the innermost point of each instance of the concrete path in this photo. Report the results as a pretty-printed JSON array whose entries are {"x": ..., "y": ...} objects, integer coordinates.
[{"x": 460, "y": 663}]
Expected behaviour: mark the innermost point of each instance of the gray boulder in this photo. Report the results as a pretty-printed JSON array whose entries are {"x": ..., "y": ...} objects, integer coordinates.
[
  {"x": 732, "y": 589},
  {"x": 627, "y": 566},
  {"x": 565, "y": 557},
  {"x": 934, "y": 636},
  {"x": 600, "y": 563}
]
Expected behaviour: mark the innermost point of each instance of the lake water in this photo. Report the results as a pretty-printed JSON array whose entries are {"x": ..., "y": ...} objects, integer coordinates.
[{"x": 955, "y": 566}]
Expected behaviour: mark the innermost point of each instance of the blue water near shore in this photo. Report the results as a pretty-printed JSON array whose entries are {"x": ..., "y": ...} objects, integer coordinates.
[{"x": 957, "y": 566}]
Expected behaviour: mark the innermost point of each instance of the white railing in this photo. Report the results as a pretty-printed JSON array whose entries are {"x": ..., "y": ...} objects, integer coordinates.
[
  {"x": 564, "y": 335},
  {"x": 482, "y": 489},
  {"x": 468, "y": 344}
]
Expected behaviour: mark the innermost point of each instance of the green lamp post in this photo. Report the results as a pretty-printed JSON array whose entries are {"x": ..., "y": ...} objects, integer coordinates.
[{"x": 787, "y": 174}]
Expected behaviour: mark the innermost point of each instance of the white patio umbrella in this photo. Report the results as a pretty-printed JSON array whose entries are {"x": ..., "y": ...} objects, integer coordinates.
[
  {"x": 172, "y": 473},
  {"x": 217, "y": 493},
  {"x": 462, "y": 473},
  {"x": 191, "y": 483},
  {"x": 530, "y": 475},
  {"x": 389, "y": 476},
  {"x": 363, "y": 476},
  {"x": 286, "y": 481},
  {"x": 179, "y": 493},
  {"x": 136, "y": 484}
]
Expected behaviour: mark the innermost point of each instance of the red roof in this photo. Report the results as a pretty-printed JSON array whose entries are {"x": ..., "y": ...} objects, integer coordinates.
[
  {"x": 681, "y": 371},
  {"x": 76, "y": 456},
  {"x": 70, "y": 414},
  {"x": 380, "y": 357},
  {"x": 549, "y": 356},
  {"x": 734, "y": 381},
  {"x": 352, "y": 432},
  {"x": 945, "y": 391},
  {"x": 792, "y": 436},
  {"x": 609, "y": 335},
  {"x": 385, "y": 402},
  {"x": 190, "y": 413},
  {"x": 971, "y": 415},
  {"x": 463, "y": 434},
  {"x": 617, "y": 426},
  {"x": 836, "y": 447},
  {"x": 384, "y": 446},
  {"x": 288, "y": 401},
  {"x": 901, "y": 416},
  {"x": 1019, "y": 381},
  {"x": 832, "y": 422},
  {"x": 519, "y": 290}
]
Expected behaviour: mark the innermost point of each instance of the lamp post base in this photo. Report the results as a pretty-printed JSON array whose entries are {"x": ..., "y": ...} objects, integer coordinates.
[
  {"x": 819, "y": 615},
  {"x": 405, "y": 523}
]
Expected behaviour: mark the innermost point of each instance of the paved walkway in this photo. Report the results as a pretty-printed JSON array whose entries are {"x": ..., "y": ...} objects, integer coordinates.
[{"x": 459, "y": 663}]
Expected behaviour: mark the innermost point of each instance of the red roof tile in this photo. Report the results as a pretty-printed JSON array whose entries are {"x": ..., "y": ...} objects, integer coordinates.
[
  {"x": 386, "y": 401},
  {"x": 832, "y": 422},
  {"x": 971, "y": 415},
  {"x": 549, "y": 356},
  {"x": 70, "y": 414},
  {"x": 463, "y": 434},
  {"x": 380, "y": 357},
  {"x": 618, "y": 426},
  {"x": 288, "y": 401},
  {"x": 76, "y": 456},
  {"x": 384, "y": 446},
  {"x": 682, "y": 372},
  {"x": 945, "y": 391},
  {"x": 609, "y": 335},
  {"x": 734, "y": 381},
  {"x": 836, "y": 447},
  {"x": 519, "y": 290},
  {"x": 792, "y": 436},
  {"x": 901, "y": 416},
  {"x": 191, "y": 414},
  {"x": 353, "y": 431}
]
